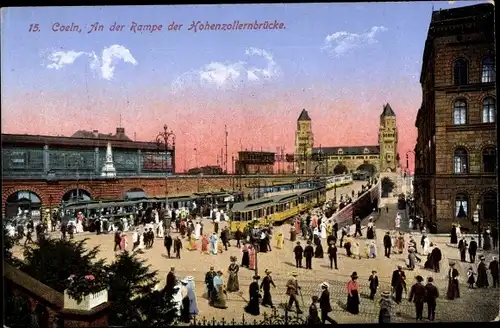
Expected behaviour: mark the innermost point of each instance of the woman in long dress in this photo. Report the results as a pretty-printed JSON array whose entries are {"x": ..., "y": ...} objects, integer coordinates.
[
  {"x": 161, "y": 230},
  {"x": 192, "y": 243},
  {"x": 370, "y": 233},
  {"x": 220, "y": 298},
  {"x": 213, "y": 244},
  {"x": 323, "y": 233},
  {"x": 204, "y": 244},
  {"x": 245, "y": 259},
  {"x": 233, "y": 284},
  {"x": 319, "y": 253},
  {"x": 297, "y": 225},
  {"x": 487, "y": 240},
  {"x": 123, "y": 242},
  {"x": 185, "y": 317},
  {"x": 426, "y": 246},
  {"x": 353, "y": 295},
  {"x": 400, "y": 243},
  {"x": 251, "y": 257},
  {"x": 191, "y": 293},
  {"x": 453, "y": 237},
  {"x": 279, "y": 240},
  {"x": 197, "y": 231},
  {"x": 253, "y": 306}
]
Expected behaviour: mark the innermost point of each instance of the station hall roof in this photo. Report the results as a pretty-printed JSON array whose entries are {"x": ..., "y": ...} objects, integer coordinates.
[{"x": 357, "y": 150}]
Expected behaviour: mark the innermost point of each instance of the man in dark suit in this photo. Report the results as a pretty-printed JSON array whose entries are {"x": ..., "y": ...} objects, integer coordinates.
[
  {"x": 398, "y": 283},
  {"x": 462, "y": 246},
  {"x": 417, "y": 294},
  {"x": 387, "y": 244},
  {"x": 431, "y": 295},
  {"x": 373, "y": 279},
  {"x": 436, "y": 256},
  {"x": 168, "y": 243},
  {"x": 358, "y": 227},
  {"x": 299, "y": 251},
  {"x": 324, "y": 304},
  {"x": 472, "y": 250},
  {"x": 332, "y": 255},
  {"x": 308, "y": 254}
]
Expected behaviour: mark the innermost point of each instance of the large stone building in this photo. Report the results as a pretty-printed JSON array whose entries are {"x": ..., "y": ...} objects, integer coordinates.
[
  {"x": 340, "y": 160},
  {"x": 456, "y": 164}
]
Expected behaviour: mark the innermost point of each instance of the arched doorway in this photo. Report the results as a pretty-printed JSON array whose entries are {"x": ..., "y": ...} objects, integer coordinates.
[
  {"x": 489, "y": 206},
  {"x": 369, "y": 168},
  {"x": 340, "y": 169},
  {"x": 135, "y": 193},
  {"x": 76, "y": 195},
  {"x": 23, "y": 202}
]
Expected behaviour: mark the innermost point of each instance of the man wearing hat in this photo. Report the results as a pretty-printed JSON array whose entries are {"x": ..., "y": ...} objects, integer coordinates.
[
  {"x": 267, "y": 299},
  {"x": 308, "y": 254},
  {"x": 387, "y": 244},
  {"x": 494, "y": 271},
  {"x": 472, "y": 250},
  {"x": 292, "y": 290},
  {"x": 171, "y": 279},
  {"x": 332, "y": 254},
  {"x": 417, "y": 294},
  {"x": 431, "y": 295},
  {"x": 324, "y": 304},
  {"x": 398, "y": 283},
  {"x": 482, "y": 276},
  {"x": 298, "y": 251},
  {"x": 209, "y": 283},
  {"x": 453, "y": 290},
  {"x": 373, "y": 279},
  {"x": 385, "y": 312}
]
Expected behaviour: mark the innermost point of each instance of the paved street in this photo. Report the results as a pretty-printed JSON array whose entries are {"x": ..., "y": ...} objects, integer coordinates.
[{"x": 474, "y": 305}]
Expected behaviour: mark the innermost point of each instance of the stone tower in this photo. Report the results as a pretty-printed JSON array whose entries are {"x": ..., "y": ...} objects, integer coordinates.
[
  {"x": 304, "y": 141},
  {"x": 388, "y": 140}
]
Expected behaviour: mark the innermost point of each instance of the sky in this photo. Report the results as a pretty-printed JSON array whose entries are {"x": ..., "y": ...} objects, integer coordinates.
[{"x": 95, "y": 68}]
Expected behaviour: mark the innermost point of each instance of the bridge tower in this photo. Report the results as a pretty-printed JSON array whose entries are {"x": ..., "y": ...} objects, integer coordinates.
[
  {"x": 388, "y": 140},
  {"x": 304, "y": 141}
]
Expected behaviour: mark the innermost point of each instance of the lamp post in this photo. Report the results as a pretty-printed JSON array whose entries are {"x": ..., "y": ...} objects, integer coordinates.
[
  {"x": 166, "y": 140},
  {"x": 478, "y": 208}
]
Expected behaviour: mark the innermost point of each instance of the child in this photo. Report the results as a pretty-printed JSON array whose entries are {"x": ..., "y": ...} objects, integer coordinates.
[
  {"x": 385, "y": 312},
  {"x": 470, "y": 280},
  {"x": 313, "y": 318}
]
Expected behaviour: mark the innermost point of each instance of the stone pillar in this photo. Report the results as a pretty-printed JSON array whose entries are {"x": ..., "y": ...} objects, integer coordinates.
[
  {"x": 96, "y": 156},
  {"x": 46, "y": 159},
  {"x": 139, "y": 162}
]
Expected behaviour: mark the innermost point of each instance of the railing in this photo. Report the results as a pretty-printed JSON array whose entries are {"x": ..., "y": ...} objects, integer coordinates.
[{"x": 275, "y": 318}]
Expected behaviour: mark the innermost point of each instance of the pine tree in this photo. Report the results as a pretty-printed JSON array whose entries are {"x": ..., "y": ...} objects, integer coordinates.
[{"x": 53, "y": 261}]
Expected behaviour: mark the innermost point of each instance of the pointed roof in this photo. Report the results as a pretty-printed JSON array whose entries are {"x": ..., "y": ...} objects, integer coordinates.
[
  {"x": 387, "y": 111},
  {"x": 304, "y": 116}
]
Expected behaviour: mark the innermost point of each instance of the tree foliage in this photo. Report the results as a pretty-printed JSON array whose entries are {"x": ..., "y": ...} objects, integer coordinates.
[
  {"x": 387, "y": 185},
  {"x": 53, "y": 261}
]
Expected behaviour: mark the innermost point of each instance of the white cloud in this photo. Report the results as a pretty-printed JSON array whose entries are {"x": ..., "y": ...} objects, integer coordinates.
[
  {"x": 104, "y": 65},
  {"x": 342, "y": 42},
  {"x": 224, "y": 75},
  {"x": 60, "y": 59}
]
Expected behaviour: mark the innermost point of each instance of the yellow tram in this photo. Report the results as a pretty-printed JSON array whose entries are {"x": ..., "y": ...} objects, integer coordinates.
[{"x": 269, "y": 210}]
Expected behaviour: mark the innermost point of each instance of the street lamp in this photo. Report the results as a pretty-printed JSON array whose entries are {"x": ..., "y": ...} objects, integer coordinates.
[
  {"x": 478, "y": 207},
  {"x": 166, "y": 140}
]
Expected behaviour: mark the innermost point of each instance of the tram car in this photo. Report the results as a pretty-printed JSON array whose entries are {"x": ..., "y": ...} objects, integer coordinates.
[
  {"x": 275, "y": 209},
  {"x": 338, "y": 181}
]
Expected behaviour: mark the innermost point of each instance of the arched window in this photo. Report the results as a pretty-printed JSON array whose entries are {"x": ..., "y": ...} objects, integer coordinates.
[
  {"x": 460, "y": 161},
  {"x": 489, "y": 110},
  {"x": 489, "y": 159},
  {"x": 460, "y": 68},
  {"x": 460, "y": 112},
  {"x": 488, "y": 74},
  {"x": 461, "y": 206},
  {"x": 489, "y": 207}
]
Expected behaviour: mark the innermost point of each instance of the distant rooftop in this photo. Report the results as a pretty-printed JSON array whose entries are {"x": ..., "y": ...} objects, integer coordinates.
[
  {"x": 387, "y": 111},
  {"x": 304, "y": 116},
  {"x": 119, "y": 135}
]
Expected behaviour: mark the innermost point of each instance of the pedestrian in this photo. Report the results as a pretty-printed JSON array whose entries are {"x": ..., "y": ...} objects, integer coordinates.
[
  {"x": 472, "y": 250},
  {"x": 387, "y": 244},
  {"x": 253, "y": 306},
  {"x": 494, "y": 271},
  {"x": 177, "y": 247},
  {"x": 292, "y": 290},
  {"x": 398, "y": 283},
  {"x": 266, "y": 284},
  {"x": 470, "y": 278},
  {"x": 417, "y": 294},
  {"x": 324, "y": 304},
  {"x": 373, "y": 279},
  {"x": 353, "y": 295},
  {"x": 482, "y": 276},
  {"x": 167, "y": 242},
  {"x": 453, "y": 288},
  {"x": 233, "y": 284},
  {"x": 237, "y": 236},
  {"x": 135, "y": 240},
  {"x": 358, "y": 227},
  {"x": 462, "y": 246},
  {"x": 494, "y": 236},
  {"x": 332, "y": 255},
  {"x": 313, "y": 317},
  {"x": 298, "y": 251},
  {"x": 431, "y": 295},
  {"x": 209, "y": 285},
  {"x": 386, "y": 305},
  {"x": 171, "y": 280},
  {"x": 436, "y": 256},
  {"x": 308, "y": 254}
]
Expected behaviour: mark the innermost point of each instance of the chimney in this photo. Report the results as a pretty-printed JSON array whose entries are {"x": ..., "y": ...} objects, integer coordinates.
[
  {"x": 120, "y": 131},
  {"x": 95, "y": 133}
]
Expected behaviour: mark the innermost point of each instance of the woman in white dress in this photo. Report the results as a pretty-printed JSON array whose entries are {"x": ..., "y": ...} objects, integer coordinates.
[
  {"x": 161, "y": 231},
  {"x": 323, "y": 230},
  {"x": 125, "y": 224},
  {"x": 397, "y": 221},
  {"x": 426, "y": 247},
  {"x": 141, "y": 241},
  {"x": 157, "y": 217},
  {"x": 197, "y": 231}
]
